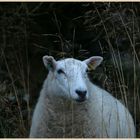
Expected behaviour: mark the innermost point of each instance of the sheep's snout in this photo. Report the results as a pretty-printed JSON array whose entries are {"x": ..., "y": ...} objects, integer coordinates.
[{"x": 82, "y": 95}]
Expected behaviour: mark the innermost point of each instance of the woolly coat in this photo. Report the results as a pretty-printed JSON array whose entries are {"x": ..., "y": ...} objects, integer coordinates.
[{"x": 101, "y": 116}]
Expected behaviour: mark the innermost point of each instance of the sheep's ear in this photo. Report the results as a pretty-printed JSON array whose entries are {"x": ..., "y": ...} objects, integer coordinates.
[
  {"x": 49, "y": 62},
  {"x": 93, "y": 62}
]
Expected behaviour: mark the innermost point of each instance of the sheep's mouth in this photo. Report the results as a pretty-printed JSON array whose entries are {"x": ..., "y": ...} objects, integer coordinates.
[{"x": 81, "y": 99}]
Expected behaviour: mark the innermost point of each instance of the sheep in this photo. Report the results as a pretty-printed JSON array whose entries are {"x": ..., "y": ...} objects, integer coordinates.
[{"x": 70, "y": 106}]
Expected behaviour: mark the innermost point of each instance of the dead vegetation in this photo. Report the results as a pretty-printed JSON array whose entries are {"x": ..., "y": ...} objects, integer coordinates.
[{"x": 79, "y": 30}]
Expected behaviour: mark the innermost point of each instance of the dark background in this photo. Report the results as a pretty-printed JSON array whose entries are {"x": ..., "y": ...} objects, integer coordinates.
[{"x": 28, "y": 31}]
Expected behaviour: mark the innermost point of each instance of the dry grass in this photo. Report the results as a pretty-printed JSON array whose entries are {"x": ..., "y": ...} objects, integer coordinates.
[{"x": 116, "y": 33}]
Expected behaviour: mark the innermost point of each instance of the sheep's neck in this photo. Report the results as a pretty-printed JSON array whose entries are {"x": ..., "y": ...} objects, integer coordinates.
[{"x": 68, "y": 117}]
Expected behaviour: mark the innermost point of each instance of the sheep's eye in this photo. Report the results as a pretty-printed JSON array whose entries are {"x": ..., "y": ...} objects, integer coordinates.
[
  {"x": 87, "y": 70},
  {"x": 60, "y": 71}
]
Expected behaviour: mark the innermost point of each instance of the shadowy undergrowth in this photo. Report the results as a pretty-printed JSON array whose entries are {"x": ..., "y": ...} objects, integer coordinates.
[{"x": 80, "y": 30}]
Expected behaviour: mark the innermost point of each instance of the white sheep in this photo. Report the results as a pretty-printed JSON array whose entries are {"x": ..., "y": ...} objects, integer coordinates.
[{"x": 70, "y": 106}]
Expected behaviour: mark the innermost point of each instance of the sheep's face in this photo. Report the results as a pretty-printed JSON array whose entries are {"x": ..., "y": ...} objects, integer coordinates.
[{"x": 70, "y": 75}]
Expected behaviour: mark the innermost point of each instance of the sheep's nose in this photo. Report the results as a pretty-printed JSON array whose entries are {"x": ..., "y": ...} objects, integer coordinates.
[{"x": 81, "y": 93}]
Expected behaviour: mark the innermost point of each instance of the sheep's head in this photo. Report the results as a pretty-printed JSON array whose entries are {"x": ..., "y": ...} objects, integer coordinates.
[{"x": 70, "y": 75}]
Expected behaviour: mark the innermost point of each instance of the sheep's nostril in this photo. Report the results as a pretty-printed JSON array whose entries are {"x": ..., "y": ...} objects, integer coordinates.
[{"x": 81, "y": 93}]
